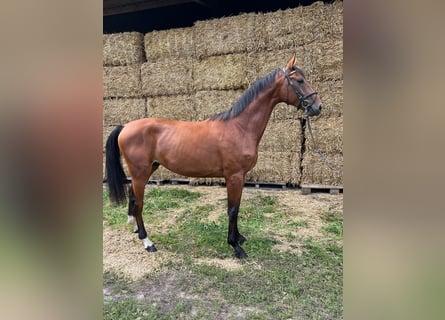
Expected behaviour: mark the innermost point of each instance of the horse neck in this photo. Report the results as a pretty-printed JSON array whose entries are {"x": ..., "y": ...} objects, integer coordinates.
[{"x": 254, "y": 119}]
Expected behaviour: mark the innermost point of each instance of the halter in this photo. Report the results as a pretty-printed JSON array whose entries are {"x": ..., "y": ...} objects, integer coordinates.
[{"x": 304, "y": 102}]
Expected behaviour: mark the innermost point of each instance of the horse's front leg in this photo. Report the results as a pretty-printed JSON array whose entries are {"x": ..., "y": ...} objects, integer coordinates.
[{"x": 235, "y": 186}]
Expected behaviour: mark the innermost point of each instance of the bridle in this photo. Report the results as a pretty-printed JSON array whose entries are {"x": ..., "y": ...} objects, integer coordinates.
[
  {"x": 306, "y": 105},
  {"x": 304, "y": 102}
]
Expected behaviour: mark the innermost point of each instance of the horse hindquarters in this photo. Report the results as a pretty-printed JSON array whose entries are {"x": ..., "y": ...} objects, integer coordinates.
[{"x": 137, "y": 156}]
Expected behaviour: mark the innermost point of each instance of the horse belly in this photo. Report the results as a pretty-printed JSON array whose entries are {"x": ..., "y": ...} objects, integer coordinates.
[
  {"x": 190, "y": 158},
  {"x": 194, "y": 166}
]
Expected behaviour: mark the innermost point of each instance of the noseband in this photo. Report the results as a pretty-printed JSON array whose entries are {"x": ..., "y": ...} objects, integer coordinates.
[{"x": 304, "y": 102}]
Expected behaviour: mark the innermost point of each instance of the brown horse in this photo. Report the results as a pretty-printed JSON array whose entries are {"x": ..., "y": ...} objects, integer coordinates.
[{"x": 226, "y": 145}]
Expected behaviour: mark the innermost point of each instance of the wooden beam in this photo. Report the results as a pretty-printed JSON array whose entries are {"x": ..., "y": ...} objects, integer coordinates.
[{"x": 118, "y": 6}]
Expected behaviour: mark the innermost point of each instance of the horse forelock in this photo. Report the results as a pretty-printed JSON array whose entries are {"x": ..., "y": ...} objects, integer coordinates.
[{"x": 247, "y": 97}]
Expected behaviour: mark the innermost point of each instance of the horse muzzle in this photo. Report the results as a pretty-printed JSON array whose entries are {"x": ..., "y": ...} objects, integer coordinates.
[{"x": 313, "y": 110}]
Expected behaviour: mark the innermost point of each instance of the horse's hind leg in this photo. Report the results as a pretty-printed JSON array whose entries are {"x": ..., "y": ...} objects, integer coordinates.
[
  {"x": 138, "y": 187},
  {"x": 132, "y": 209}
]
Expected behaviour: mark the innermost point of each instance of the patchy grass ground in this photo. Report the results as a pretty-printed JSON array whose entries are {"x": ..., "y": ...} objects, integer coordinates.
[{"x": 294, "y": 269}]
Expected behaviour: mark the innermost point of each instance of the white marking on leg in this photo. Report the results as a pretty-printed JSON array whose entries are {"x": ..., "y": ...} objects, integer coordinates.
[
  {"x": 132, "y": 220},
  {"x": 147, "y": 243}
]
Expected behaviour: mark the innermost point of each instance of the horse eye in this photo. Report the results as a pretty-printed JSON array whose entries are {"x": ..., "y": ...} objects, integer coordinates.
[{"x": 300, "y": 81}]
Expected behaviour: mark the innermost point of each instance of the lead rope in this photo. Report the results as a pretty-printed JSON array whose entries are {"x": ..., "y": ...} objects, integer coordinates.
[{"x": 316, "y": 149}]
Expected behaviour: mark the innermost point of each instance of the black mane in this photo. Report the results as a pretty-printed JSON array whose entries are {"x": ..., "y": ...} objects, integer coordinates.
[{"x": 247, "y": 97}]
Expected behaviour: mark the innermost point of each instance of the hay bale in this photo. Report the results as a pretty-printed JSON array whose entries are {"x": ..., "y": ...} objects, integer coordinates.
[
  {"x": 282, "y": 111},
  {"x": 226, "y": 72},
  {"x": 280, "y": 167},
  {"x": 169, "y": 77},
  {"x": 324, "y": 21},
  {"x": 169, "y": 44},
  {"x": 273, "y": 32},
  {"x": 291, "y": 28},
  {"x": 282, "y": 136},
  {"x": 122, "y": 82},
  {"x": 324, "y": 60},
  {"x": 207, "y": 181},
  {"x": 106, "y": 130},
  {"x": 281, "y": 29},
  {"x": 315, "y": 170},
  {"x": 262, "y": 63},
  {"x": 121, "y": 49},
  {"x": 180, "y": 107},
  {"x": 331, "y": 95},
  {"x": 210, "y": 102},
  {"x": 225, "y": 35},
  {"x": 321, "y": 22},
  {"x": 328, "y": 135},
  {"x": 121, "y": 111}
]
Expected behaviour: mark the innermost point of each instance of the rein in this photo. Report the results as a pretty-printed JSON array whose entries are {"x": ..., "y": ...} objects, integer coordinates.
[
  {"x": 317, "y": 149},
  {"x": 305, "y": 104}
]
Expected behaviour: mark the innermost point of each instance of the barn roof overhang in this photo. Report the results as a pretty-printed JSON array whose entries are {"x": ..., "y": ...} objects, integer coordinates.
[{"x": 112, "y": 7}]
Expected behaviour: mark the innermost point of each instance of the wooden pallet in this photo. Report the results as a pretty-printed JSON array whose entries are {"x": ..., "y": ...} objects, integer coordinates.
[
  {"x": 310, "y": 188},
  {"x": 160, "y": 182},
  {"x": 266, "y": 185},
  {"x": 257, "y": 185}
]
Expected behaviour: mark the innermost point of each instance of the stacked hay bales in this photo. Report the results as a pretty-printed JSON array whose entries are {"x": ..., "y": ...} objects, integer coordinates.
[
  {"x": 123, "y": 101},
  {"x": 279, "y": 154},
  {"x": 169, "y": 44},
  {"x": 122, "y": 49},
  {"x": 167, "y": 77},
  {"x": 328, "y": 134},
  {"x": 324, "y": 65},
  {"x": 167, "y": 80},
  {"x": 220, "y": 71},
  {"x": 314, "y": 33},
  {"x": 227, "y": 72},
  {"x": 192, "y": 73},
  {"x": 224, "y": 36},
  {"x": 210, "y": 102},
  {"x": 120, "y": 111}
]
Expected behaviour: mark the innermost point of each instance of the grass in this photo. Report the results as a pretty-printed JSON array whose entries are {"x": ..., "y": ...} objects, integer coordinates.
[
  {"x": 335, "y": 222},
  {"x": 155, "y": 200},
  {"x": 268, "y": 285}
]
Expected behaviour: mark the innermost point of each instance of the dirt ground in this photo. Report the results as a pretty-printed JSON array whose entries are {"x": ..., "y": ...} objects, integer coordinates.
[{"x": 123, "y": 252}]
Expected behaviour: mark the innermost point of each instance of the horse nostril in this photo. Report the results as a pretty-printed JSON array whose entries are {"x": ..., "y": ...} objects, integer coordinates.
[{"x": 321, "y": 107}]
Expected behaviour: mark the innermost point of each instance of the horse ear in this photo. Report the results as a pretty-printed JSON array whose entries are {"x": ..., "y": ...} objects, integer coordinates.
[{"x": 292, "y": 61}]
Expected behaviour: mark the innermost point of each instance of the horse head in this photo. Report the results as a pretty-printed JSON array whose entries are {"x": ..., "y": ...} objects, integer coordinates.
[{"x": 302, "y": 95}]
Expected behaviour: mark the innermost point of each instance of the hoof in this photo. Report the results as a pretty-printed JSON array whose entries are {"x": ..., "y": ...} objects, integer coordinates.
[
  {"x": 151, "y": 249},
  {"x": 240, "y": 254}
]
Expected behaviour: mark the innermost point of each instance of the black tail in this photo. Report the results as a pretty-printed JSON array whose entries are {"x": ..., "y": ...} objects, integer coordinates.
[{"x": 115, "y": 173}]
